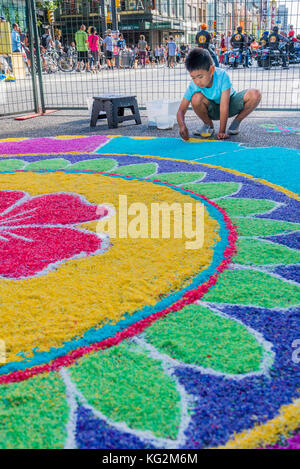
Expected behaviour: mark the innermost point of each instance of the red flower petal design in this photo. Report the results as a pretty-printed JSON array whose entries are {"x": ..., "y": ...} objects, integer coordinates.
[
  {"x": 9, "y": 198},
  {"x": 49, "y": 209},
  {"x": 35, "y": 238}
]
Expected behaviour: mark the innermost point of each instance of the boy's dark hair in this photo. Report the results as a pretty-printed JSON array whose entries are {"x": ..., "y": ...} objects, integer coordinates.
[{"x": 198, "y": 59}]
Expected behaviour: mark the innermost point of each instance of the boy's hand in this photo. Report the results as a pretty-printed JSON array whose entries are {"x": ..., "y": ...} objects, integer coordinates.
[
  {"x": 222, "y": 136},
  {"x": 184, "y": 133}
]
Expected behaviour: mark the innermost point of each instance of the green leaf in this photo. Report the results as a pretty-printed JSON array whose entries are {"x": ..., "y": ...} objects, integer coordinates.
[
  {"x": 243, "y": 207},
  {"x": 254, "y": 251},
  {"x": 198, "y": 336},
  {"x": 96, "y": 164},
  {"x": 263, "y": 226},
  {"x": 33, "y": 413},
  {"x": 137, "y": 170},
  {"x": 213, "y": 190},
  {"x": 10, "y": 165},
  {"x": 179, "y": 178},
  {"x": 248, "y": 287},
  {"x": 126, "y": 385},
  {"x": 54, "y": 163}
]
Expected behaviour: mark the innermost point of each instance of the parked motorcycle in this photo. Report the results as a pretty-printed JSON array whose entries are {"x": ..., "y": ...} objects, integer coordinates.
[
  {"x": 233, "y": 59},
  {"x": 273, "y": 57},
  {"x": 258, "y": 58},
  {"x": 294, "y": 53}
]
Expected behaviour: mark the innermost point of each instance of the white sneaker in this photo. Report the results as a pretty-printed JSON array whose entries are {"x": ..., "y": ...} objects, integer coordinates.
[{"x": 206, "y": 131}]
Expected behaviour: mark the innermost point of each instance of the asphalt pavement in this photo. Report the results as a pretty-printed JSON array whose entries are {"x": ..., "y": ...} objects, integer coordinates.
[{"x": 70, "y": 122}]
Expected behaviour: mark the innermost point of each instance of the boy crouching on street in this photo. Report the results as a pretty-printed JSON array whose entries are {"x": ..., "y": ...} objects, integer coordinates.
[{"x": 213, "y": 98}]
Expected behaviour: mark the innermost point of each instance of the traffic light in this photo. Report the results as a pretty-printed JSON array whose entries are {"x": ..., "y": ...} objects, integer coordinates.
[
  {"x": 215, "y": 25},
  {"x": 118, "y": 3},
  {"x": 51, "y": 17}
]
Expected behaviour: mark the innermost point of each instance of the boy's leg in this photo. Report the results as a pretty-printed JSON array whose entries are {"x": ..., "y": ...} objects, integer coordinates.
[
  {"x": 251, "y": 100},
  {"x": 200, "y": 107}
]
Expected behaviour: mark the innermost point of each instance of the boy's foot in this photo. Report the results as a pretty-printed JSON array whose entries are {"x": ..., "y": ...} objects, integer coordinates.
[
  {"x": 205, "y": 131},
  {"x": 234, "y": 127}
]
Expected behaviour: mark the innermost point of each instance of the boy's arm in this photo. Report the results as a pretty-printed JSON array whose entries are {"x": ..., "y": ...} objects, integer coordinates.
[
  {"x": 224, "y": 110},
  {"x": 183, "y": 130}
]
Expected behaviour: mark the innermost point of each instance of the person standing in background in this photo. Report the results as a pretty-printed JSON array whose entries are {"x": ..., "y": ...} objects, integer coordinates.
[
  {"x": 108, "y": 46},
  {"x": 57, "y": 43},
  {"x": 183, "y": 51},
  {"x": 171, "y": 46},
  {"x": 93, "y": 41},
  {"x": 121, "y": 45},
  {"x": 222, "y": 48},
  {"x": 15, "y": 38},
  {"x": 81, "y": 39},
  {"x": 203, "y": 40},
  {"x": 142, "y": 46},
  {"x": 157, "y": 55},
  {"x": 227, "y": 40}
]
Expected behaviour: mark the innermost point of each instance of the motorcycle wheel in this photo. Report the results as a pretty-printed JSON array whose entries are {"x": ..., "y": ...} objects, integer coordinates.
[{"x": 266, "y": 64}]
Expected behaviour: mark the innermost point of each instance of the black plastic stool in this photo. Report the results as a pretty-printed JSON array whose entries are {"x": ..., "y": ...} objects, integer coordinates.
[{"x": 111, "y": 107}]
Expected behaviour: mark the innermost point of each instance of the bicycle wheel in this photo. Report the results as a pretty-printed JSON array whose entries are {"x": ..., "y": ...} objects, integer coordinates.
[
  {"x": 52, "y": 66},
  {"x": 66, "y": 64}
]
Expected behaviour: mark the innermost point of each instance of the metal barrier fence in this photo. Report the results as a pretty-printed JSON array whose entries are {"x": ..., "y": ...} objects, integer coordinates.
[{"x": 144, "y": 54}]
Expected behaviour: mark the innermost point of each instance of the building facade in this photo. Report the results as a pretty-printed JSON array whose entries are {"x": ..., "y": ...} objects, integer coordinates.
[
  {"x": 158, "y": 19},
  {"x": 164, "y": 17},
  {"x": 282, "y": 17}
]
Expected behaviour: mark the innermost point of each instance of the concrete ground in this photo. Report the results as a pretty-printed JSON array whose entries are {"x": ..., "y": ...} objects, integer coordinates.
[{"x": 77, "y": 123}]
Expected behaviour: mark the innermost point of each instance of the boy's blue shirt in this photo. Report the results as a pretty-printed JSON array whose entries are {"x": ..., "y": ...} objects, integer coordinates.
[{"x": 221, "y": 82}]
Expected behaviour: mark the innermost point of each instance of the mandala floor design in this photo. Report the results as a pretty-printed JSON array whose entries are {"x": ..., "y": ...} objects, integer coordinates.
[{"x": 141, "y": 343}]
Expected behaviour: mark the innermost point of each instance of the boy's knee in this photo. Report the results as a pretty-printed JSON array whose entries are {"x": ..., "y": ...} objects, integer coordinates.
[
  {"x": 253, "y": 95},
  {"x": 198, "y": 99}
]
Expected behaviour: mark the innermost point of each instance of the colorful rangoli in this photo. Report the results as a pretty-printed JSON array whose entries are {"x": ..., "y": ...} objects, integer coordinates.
[
  {"x": 138, "y": 342},
  {"x": 284, "y": 129}
]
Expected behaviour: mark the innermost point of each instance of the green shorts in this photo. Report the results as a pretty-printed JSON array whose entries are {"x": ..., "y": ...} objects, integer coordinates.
[{"x": 236, "y": 104}]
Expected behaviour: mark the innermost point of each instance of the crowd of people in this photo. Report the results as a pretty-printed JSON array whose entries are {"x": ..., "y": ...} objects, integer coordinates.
[
  {"x": 92, "y": 49},
  {"x": 90, "y": 52},
  {"x": 245, "y": 42}
]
